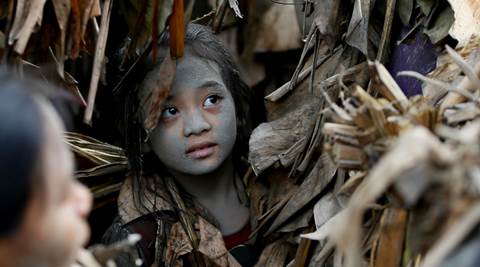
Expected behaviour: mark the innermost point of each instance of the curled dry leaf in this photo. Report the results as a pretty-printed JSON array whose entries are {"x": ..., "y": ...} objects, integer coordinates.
[
  {"x": 357, "y": 34},
  {"x": 234, "y": 5},
  {"x": 321, "y": 174},
  {"x": 467, "y": 20},
  {"x": 281, "y": 139},
  {"x": 99, "y": 60},
  {"x": 27, "y": 16},
  {"x": 62, "y": 12},
  {"x": 159, "y": 93}
]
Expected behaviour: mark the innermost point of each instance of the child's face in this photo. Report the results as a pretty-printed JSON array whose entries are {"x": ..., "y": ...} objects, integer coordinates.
[
  {"x": 55, "y": 226},
  {"x": 197, "y": 129}
]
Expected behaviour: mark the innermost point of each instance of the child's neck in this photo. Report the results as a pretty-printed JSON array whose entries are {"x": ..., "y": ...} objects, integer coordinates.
[{"x": 217, "y": 191}]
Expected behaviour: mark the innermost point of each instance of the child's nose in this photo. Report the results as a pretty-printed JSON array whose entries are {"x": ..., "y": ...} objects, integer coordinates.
[
  {"x": 82, "y": 199},
  {"x": 195, "y": 123}
]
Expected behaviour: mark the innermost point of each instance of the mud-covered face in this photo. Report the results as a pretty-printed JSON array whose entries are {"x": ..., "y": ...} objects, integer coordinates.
[{"x": 197, "y": 129}]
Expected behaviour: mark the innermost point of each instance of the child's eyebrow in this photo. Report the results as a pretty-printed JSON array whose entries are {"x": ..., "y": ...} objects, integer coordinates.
[
  {"x": 206, "y": 85},
  {"x": 211, "y": 84}
]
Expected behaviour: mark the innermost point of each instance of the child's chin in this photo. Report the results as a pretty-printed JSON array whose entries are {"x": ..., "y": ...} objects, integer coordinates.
[{"x": 202, "y": 168}]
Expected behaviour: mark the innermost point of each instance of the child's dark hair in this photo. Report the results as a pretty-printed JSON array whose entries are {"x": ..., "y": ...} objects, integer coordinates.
[
  {"x": 21, "y": 136},
  {"x": 205, "y": 45}
]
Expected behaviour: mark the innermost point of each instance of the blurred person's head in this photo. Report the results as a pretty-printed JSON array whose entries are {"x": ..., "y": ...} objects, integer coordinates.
[{"x": 43, "y": 209}]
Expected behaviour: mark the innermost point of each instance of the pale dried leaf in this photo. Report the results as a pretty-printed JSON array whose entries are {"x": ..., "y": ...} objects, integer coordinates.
[
  {"x": 316, "y": 181},
  {"x": 25, "y": 22},
  {"x": 159, "y": 92},
  {"x": 405, "y": 10},
  {"x": 357, "y": 34},
  {"x": 327, "y": 18},
  {"x": 234, "y": 5},
  {"x": 327, "y": 228},
  {"x": 441, "y": 26},
  {"x": 178, "y": 244},
  {"x": 99, "y": 60},
  {"x": 467, "y": 20},
  {"x": 327, "y": 207},
  {"x": 275, "y": 254},
  {"x": 62, "y": 12},
  {"x": 452, "y": 238},
  {"x": 283, "y": 138},
  {"x": 414, "y": 146}
]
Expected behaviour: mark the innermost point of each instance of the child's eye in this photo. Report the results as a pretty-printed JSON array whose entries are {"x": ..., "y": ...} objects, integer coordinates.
[
  {"x": 169, "y": 112},
  {"x": 211, "y": 101}
]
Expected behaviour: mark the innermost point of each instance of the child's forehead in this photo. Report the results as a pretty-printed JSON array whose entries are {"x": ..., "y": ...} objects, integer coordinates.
[
  {"x": 191, "y": 72},
  {"x": 196, "y": 72},
  {"x": 193, "y": 64}
]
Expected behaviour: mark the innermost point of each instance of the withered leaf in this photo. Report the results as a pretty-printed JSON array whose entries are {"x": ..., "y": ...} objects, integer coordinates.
[
  {"x": 283, "y": 138},
  {"x": 85, "y": 13},
  {"x": 441, "y": 26},
  {"x": 159, "y": 93},
  {"x": 274, "y": 254},
  {"x": 453, "y": 237},
  {"x": 177, "y": 30},
  {"x": 405, "y": 9},
  {"x": 3, "y": 9},
  {"x": 234, "y": 5},
  {"x": 27, "y": 16},
  {"x": 99, "y": 60},
  {"x": 177, "y": 244},
  {"x": 327, "y": 17},
  {"x": 426, "y": 6},
  {"x": 357, "y": 34},
  {"x": 316, "y": 181},
  {"x": 467, "y": 20},
  {"x": 325, "y": 209},
  {"x": 212, "y": 246},
  {"x": 389, "y": 250},
  {"x": 62, "y": 12}
]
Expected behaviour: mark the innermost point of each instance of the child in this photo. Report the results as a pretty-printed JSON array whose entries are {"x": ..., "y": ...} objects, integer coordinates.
[
  {"x": 43, "y": 208},
  {"x": 185, "y": 196}
]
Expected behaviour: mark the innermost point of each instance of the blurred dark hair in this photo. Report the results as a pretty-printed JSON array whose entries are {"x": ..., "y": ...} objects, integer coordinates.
[
  {"x": 21, "y": 136},
  {"x": 205, "y": 45}
]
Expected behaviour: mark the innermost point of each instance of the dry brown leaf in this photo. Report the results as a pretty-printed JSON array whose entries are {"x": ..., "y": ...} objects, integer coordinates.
[
  {"x": 327, "y": 19},
  {"x": 386, "y": 85},
  {"x": 453, "y": 237},
  {"x": 212, "y": 246},
  {"x": 86, "y": 9},
  {"x": 160, "y": 91},
  {"x": 389, "y": 250},
  {"x": 467, "y": 20},
  {"x": 177, "y": 30},
  {"x": 62, "y": 12},
  {"x": 27, "y": 16},
  {"x": 317, "y": 180},
  {"x": 414, "y": 146},
  {"x": 274, "y": 254},
  {"x": 357, "y": 34},
  {"x": 282, "y": 139},
  {"x": 177, "y": 244},
  {"x": 99, "y": 60}
]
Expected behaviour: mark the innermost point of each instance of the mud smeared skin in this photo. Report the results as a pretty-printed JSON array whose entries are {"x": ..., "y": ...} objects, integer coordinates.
[{"x": 195, "y": 137}]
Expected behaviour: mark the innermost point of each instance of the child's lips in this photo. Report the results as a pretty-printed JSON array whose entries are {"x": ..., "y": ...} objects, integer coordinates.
[{"x": 201, "y": 150}]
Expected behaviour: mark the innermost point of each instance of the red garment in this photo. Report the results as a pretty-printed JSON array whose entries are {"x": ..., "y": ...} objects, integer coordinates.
[{"x": 240, "y": 237}]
